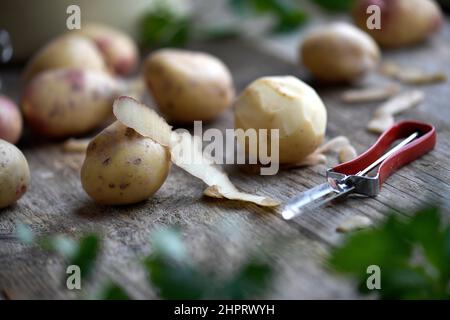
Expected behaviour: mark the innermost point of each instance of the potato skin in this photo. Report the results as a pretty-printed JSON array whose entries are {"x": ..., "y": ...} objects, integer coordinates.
[
  {"x": 287, "y": 104},
  {"x": 68, "y": 102},
  {"x": 123, "y": 167},
  {"x": 188, "y": 85},
  {"x": 339, "y": 52},
  {"x": 10, "y": 120},
  {"x": 67, "y": 51},
  {"x": 403, "y": 22},
  {"x": 118, "y": 49},
  {"x": 14, "y": 174}
]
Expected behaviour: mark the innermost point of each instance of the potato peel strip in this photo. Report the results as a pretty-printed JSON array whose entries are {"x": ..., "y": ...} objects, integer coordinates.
[
  {"x": 339, "y": 145},
  {"x": 76, "y": 145},
  {"x": 142, "y": 119},
  {"x": 184, "y": 148},
  {"x": 383, "y": 117},
  {"x": 370, "y": 94},
  {"x": 410, "y": 75}
]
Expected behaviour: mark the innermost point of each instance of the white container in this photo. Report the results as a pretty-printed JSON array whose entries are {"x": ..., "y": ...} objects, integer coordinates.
[{"x": 32, "y": 23}]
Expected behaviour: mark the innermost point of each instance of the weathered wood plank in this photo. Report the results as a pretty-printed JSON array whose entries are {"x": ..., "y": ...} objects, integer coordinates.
[{"x": 56, "y": 202}]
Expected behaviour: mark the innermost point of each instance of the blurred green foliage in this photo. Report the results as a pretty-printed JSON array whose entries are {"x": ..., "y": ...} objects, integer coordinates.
[
  {"x": 113, "y": 291},
  {"x": 335, "y": 5},
  {"x": 82, "y": 253},
  {"x": 287, "y": 13},
  {"x": 169, "y": 267},
  {"x": 164, "y": 27},
  {"x": 413, "y": 255},
  {"x": 172, "y": 272}
]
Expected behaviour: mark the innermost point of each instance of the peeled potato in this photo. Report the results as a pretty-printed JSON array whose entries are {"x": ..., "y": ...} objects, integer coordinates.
[
  {"x": 339, "y": 52},
  {"x": 68, "y": 102},
  {"x": 123, "y": 167},
  {"x": 10, "y": 120},
  {"x": 14, "y": 174},
  {"x": 118, "y": 49},
  {"x": 287, "y": 104},
  {"x": 67, "y": 51},
  {"x": 188, "y": 85},
  {"x": 403, "y": 22}
]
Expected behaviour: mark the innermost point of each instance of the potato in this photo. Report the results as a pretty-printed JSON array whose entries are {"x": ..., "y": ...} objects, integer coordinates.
[
  {"x": 10, "y": 120},
  {"x": 67, "y": 51},
  {"x": 188, "y": 85},
  {"x": 339, "y": 52},
  {"x": 123, "y": 167},
  {"x": 287, "y": 104},
  {"x": 118, "y": 49},
  {"x": 403, "y": 22},
  {"x": 14, "y": 174},
  {"x": 68, "y": 102}
]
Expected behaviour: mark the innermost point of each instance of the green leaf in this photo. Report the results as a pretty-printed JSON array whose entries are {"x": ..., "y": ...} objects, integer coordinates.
[
  {"x": 406, "y": 272},
  {"x": 402, "y": 283},
  {"x": 425, "y": 230},
  {"x": 335, "y": 5},
  {"x": 290, "y": 21},
  {"x": 382, "y": 247},
  {"x": 113, "y": 291},
  {"x": 252, "y": 280},
  {"x": 175, "y": 281},
  {"x": 162, "y": 28},
  {"x": 86, "y": 254},
  {"x": 170, "y": 270},
  {"x": 61, "y": 244},
  {"x": 287, "y": 13},
  {"x": 24, "y": 233}
]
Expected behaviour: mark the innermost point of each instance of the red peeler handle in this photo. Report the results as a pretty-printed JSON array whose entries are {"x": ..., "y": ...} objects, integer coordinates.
[{"x": 412, "y": 151}]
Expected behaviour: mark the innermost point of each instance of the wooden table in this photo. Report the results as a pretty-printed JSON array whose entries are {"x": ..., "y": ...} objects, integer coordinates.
[{"x": 219, "y": 234}]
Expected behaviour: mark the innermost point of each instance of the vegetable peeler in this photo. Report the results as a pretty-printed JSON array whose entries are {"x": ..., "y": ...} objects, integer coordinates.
[{"x": 353, "y": 177}]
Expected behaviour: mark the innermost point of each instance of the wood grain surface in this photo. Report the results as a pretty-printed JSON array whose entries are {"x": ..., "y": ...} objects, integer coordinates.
[{"x": 220, "y": 233}]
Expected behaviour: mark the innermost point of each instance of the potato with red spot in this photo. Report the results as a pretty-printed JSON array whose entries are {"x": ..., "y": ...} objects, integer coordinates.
[
  {"x": 118, "y": 49},
  {"x": 123, "y": 167},
  {"x": 10, "y": 120},
  {"x": 67, "y": 51},
  {"x": 403, "y": 22},
  {"x": 14, "y": 174},
  {"x": 188, "y": 85},
  {"x": 69, "y": 102}
]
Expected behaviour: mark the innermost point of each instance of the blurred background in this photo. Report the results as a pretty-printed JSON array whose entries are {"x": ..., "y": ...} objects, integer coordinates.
[{"x": 157, "y": 23}]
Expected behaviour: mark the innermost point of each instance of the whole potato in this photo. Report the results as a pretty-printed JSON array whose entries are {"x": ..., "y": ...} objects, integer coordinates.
[
  {"x": 123, "y": 167},
  {"x": 118, "y": 49},
  {"x": 339, "y": 52},
  {"x": 188, "y": 85},
  {"x": 10, "y": 120},
  {"x": 67, "y": 102},
  {"x": 14, "y": 174},
  {"x": 287, "y": 104},
  {"x": 403, "y": 22},
  {"x": 67, "y": 51}
]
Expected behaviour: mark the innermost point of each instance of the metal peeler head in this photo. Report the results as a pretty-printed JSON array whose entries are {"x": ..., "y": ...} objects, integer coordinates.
[{"x": 364, "y": 185}]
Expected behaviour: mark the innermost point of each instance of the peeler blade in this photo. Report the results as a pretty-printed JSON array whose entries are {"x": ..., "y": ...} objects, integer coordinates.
[{"x": 314, "y": 198}]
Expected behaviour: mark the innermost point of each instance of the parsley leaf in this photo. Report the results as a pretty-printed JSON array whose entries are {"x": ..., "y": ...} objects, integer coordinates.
[{"x": 413, "y": 257}]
